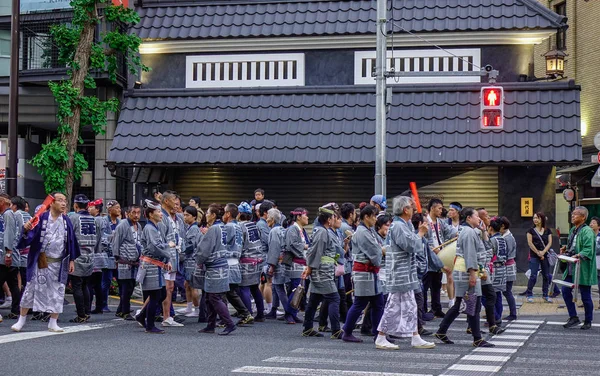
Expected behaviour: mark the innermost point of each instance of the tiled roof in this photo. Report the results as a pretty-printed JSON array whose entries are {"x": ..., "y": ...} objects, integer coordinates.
[
  {"x": 306, "y": 18},
  {"x": 542, "y": 124}
]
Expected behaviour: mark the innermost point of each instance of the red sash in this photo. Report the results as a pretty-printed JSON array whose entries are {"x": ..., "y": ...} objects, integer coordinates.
[{"x": 368, "y": 268}]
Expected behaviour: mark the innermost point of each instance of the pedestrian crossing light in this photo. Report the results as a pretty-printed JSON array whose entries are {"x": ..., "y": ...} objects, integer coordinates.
[{"x": 492, "y": 107}]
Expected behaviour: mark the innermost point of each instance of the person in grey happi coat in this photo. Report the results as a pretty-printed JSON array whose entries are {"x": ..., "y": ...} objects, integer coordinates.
[
  {"x": 84, "y": 227},
  {"x": 212, "y": 253},
  {"x": 277, "y": 270},
  {"x": 252, "y": 261},
  {"x": 296, "y": 244},
  {"x": 320, "y": 267},
  {"x": 367, "y": 255},
  {"x": 193, "y": 235},
  {"x": 400, "y": 316},
  {"x": 21, "y": 217},
  {"x": 12, "y": 258},
  {"x": 469, "y": 247},
  {"x": 271, "y": 299},
  {"x": 511, "y": 269},
  {"x": 234, "y": 240},
  {"x": 173, "y": 229},
  {"x": 155, "y": 261},
  {"x": 127, "y": 249}
]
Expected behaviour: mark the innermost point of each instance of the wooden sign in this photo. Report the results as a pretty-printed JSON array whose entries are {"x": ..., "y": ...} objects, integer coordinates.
[{"x": 526, "y": 206}]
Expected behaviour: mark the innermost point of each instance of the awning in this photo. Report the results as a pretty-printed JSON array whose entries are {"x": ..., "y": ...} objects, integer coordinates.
[{"x": 426, "y": 124}]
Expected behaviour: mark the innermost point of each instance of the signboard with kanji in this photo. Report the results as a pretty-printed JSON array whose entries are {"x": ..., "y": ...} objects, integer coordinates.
[{"x": 527, "y": 207}]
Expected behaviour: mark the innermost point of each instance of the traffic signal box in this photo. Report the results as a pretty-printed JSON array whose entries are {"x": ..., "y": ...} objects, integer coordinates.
[{"x": 492, "y": 107}]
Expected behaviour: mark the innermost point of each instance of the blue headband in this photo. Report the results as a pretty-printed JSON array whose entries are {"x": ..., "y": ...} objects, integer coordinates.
[
  {"x": 455, "y": 207},
  {"x": 245, "y": 208}
]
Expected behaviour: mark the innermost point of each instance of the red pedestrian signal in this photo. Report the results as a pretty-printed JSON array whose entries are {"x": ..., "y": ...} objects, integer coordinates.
[{"x": 492, "y": 107}]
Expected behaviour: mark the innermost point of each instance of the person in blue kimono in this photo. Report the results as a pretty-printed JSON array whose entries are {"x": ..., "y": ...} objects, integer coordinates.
[{"x": 53, "y": 249}]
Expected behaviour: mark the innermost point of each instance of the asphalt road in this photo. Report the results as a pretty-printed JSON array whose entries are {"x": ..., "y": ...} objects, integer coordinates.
[{"x": 107, "y": 346}]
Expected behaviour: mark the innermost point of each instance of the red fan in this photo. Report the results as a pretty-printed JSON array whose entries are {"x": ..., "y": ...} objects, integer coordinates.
[{"x": 43, "y": 208}]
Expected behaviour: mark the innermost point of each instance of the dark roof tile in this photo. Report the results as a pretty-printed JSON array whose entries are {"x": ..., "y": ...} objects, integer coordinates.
[
  {"x": 424, "y": 126},
  {"x": 339, "y": 18}
]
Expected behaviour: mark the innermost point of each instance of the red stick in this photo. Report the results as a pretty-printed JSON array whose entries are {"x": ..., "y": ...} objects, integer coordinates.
[
  {"x": 413, "y": 188},
  {"x": 44, "y": 207}
]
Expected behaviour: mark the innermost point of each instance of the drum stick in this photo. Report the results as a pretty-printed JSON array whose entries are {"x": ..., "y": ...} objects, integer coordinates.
[
  {"x": 43, "y": 208},
  {"x": 413, "y": 188},
  {"x": 350, "y": 292},
  {"x": 445, "y": 243}
]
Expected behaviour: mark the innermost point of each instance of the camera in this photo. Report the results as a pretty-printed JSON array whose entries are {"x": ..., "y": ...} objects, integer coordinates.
[{"x": 488, "y": 68}]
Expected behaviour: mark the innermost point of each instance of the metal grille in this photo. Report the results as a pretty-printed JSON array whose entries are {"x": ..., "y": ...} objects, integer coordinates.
[{"x": 39, "y": 49}]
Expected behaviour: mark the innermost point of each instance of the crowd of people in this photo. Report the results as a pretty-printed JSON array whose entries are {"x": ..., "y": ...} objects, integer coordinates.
[{"x": 385, "y": 268}]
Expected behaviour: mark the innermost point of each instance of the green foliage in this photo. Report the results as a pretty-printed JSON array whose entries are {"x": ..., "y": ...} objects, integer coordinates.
[
  {"x": 52, "y": 155},
  {"x": 104, "y": 56}
]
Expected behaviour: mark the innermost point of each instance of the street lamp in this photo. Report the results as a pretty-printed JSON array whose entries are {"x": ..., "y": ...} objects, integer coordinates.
[{"x": 555, "y": 63}]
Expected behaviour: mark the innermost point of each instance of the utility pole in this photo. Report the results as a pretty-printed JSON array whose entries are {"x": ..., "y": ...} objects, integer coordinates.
[
  {"x": 380, "y": 116},
  {"x": 13, "y": 106}
]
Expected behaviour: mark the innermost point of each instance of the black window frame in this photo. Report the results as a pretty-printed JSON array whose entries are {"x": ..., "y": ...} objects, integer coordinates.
[{"x": 561, "y": 35}]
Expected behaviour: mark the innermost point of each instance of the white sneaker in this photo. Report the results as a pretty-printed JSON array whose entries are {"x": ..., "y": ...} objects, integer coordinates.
[
  {"x": 451, "y": 303},
  {"x": 7, "y": 303},
  {"x": 419, "y": 343},
  {"x": 382, "y": 343},
  {"x": 1, "y": 319},
  {"x": 170, "y": 322},
  {"x": 194, "y": 313},
  {"x": 184, "y": 311}
]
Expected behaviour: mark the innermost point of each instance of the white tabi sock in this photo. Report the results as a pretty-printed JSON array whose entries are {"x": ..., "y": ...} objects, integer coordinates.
[
  {"x": 20, "y": 322},
  {"x": 269, "y": 307},
  {"x": 53, "y": 324},
  {"x": 190, "y": 306}
]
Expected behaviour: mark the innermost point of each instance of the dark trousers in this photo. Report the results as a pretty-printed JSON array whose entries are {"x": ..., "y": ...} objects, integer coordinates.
[
  {"x": 23, "y": 273},
  {"x": 215, "y": 305},
  {"x": 279, "y": 290},
  {"x": 433, "y": 281},
  {"x": 10, "y": 276},
  {"x": 453, "y": 313},
  {"x": 156, "y": 298},
  {"x": 534, "y": 265},
  {"x": 333, "y": 302},
  {"x": 420, "y": 299},
  {"x": 81, "y": 295},
  {"x": 586, "y": 298},
  {"x": 510, "y": 299},
  {"x": 234, "y": 299},
  {"x": 95, "y": 282},
  {"x": 107, "y": 276},
  {"x": 246, "y": 292},
  {"x": 294, "y": 282},
  {"x": 324, "y": 312},
  {"x": 202, "y": 308},
  {"x": 360, "y": 303},
  {"x": 489, "y": 302},
  {"x": 126, "y": 287}
]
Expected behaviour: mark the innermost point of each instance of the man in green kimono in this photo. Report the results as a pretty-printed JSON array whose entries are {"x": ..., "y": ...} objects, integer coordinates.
[{"x": 581, "y": 245}]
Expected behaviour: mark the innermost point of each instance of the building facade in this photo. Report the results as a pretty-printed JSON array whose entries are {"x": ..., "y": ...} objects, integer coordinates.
[{"x": 280, "y": 95}]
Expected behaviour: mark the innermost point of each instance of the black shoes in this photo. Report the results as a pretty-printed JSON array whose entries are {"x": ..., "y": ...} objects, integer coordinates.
[
  {"x": 573, "y": 321},
  {"x": 78, "y": 320},
  {"x": 444, "y": 338},
  {"x": 424, "y": 332},
  {"x": 586, "y": 326},
  {"x": 495, "y": 330},
  {"x": 482, "y": 343}
]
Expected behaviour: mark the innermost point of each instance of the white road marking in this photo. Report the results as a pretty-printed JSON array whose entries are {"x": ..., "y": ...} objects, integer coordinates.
[
  {"x": 474, "y": 367},
  {"x": 510, "y": 336},
  {"x": 563, "y": 323},
  {"x": 312, "y": 371},
  {"x": 375, "y": 353},
  {"x": 517, "y": 331},
  {"x": 486, "y": 358},
  {"x": 507, "y": 343},
  {"x": 22, "y": 336},
  {"x": 355, "y": 363},
  {"x": 528, "y": 322},
  {"x": 524, "y": 326},
  {"x": 495, "y": 350}
]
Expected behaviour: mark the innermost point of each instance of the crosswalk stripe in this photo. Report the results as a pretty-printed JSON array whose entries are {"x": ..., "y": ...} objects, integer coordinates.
[
  {"x": 522, "y": 331},
  {"x": 523, "y": 326},
  {"x": 68, "y": 330},
  {"x": 312, "y": 371},
  {"x": 495, "y": 350},
  {"x": 510, "y": 336},
  {"x": 563, "y": 323},
  {"x": 506, "y": 343},
  {"x": 474, "y": 367},
  {"x": 486, "y": 358},
  {"x": 528, "y": 322},
  {"x": 375, "y": 353},
  {"x": 356, "y": 363}
]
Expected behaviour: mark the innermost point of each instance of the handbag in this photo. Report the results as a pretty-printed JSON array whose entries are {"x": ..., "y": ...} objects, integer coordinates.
[
  {"x": 551, "y": 255},
  {"x": 287, "y": 259},
  {"x": 470, "y": 300},
  {"x": 42, "y": 261},
  {"x": 298, "y": 295}
]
